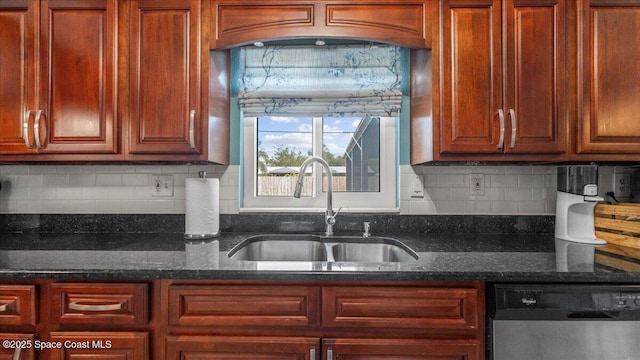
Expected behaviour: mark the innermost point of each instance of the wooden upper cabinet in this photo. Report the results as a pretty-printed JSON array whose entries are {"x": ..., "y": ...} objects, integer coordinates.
[
  {"x": 608, "y": 79},
  {"x": 502, "y": 80},
  {"x": 402, "y": 22},
  {"x": 165, "y": 83},
  {"x": 63, "y": 100},
  {"x": 17, "y": 61}
]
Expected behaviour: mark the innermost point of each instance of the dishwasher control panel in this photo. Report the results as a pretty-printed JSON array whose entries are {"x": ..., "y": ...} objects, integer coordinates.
[{"x": 565, "y": 301}]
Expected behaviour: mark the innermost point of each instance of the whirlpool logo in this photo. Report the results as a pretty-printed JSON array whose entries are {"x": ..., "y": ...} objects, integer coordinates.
[{"x": 529, "y": 301}]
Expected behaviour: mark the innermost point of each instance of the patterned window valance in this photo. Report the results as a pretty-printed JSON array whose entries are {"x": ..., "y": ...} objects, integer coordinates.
[{"x": 348, "y": 80}]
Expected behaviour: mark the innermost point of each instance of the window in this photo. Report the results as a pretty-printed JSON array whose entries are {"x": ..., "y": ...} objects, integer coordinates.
[
  {"x": 340, "y": 103},
  {"x": 361, "y": 153}
]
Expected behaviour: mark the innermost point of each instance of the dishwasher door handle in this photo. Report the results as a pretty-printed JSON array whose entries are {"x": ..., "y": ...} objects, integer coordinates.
[{"x": 598, "y": 314}]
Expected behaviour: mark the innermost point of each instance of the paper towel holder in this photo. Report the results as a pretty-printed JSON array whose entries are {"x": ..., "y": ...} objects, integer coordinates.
[{"x": 200, "y": 237}]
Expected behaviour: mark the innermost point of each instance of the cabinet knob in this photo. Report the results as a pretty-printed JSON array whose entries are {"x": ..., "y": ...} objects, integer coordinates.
[
  {"x": 514, "y": 128},
  {"x": 36, "y": 128},
  {"x": 192, "y": 124},
  {"x": 94, "y": 308},
  {"x": 25, "y": 129},
  {"x": 501, "y": 117},
  {"x": 16, "y": 354}
]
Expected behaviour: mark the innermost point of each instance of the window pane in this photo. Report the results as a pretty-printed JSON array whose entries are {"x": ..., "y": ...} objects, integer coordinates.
[
  {"x": 351, "y": 146},
  {"x": 283, "y": 144}
]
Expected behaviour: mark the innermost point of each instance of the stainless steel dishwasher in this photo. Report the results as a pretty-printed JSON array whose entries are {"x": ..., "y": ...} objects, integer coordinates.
[{"x": 563, "y": 322}]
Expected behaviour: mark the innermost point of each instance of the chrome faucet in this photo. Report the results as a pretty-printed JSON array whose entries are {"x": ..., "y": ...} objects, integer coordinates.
[{"x": 329, "y": 215}]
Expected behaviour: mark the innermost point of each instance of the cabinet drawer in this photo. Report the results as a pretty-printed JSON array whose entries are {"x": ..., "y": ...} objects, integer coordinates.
[
  {"x": 245, "y": 347},
  {"x": 101, "y": 345},
  {"x": 263, "y": 306},
  {"x": 401, "y": 308},
  {"x": 79, "y": 303},
  {"x": 18, "y": 305}
]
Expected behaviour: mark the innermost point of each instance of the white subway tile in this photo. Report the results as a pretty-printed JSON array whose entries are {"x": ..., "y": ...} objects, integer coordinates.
[
  {"x": 82, "y": 206},
  {"x": 135, "y": 180},
  {"x": 456, "y": 180},
  {"x": 477, "y": 207},
  {"x": 108, "y": 207},
  {"x": 82, "y": 179},
  {"x": 531, "y": 207},
  {"x": 109, "y": 179},
  {"x": 504, "y": 207},
  {"x": 55, "y": 206},
  {"x": 502, "y": 181},
  {"x": 514, "y": 194},
  {"x": 53, "y": 180},
  {"x": 68, "y": 193},
  {"x": 422, "y": 207},
  {"x": 450, "y": 207},
  {"x": 531, "y": 181},
  {"x": 438, "y": 194}
]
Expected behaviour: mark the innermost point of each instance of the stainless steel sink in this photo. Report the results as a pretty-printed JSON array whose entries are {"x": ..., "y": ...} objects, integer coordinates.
[
  {"x": 280, "y": 248},
  {"x": 320, "y": 248},
  {"x": 372, "y": 252}
]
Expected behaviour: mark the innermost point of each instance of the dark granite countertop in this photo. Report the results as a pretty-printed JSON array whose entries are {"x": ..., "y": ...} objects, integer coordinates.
[{"x": 442, "y": 257}]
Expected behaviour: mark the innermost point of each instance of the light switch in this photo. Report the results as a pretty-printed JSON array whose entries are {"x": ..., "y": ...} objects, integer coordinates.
[{"x": 417, "y": 187}]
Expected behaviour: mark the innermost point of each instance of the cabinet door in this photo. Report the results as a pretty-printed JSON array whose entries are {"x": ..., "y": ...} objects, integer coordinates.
[
  {"x": 609, "y": 76},
  {"x": 77, "y": 103},
  {"x": 471, "y": 84},
  {"x": 232, "y": 348},
  {"x": 100, "y": 345},
  {"x": 405, "y": 349},
  {"x": 535, "y": 96},
  {"x": 165, "y": 77},
  {"x": 17, "y": 61},
  {"x": 17, "y": 346}
]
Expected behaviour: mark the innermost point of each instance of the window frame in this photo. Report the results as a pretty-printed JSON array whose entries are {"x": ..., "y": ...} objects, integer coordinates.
[{"x": 386, "y": 200}]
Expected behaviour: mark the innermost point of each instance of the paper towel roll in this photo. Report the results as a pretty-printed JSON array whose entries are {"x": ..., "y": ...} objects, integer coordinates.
[{"x": 202, "y": 216}]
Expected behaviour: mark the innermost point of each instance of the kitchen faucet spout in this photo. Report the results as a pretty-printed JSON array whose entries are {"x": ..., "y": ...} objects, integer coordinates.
[{"x": 330, "y": 215}]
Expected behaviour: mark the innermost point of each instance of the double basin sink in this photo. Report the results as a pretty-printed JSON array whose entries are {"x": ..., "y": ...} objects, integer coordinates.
[{"x": 320, "y": 248}]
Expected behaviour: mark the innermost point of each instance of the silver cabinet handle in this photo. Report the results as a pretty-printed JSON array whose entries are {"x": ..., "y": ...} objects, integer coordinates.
[
  {"x": 36, "y": 128},
  {"x": 16, "y": 354},
  {"x": 501, "y": 116},
  {"x": 192, "y": 124},
  {"x": 514, "y": 128},
  {"x": 93, "y": 308},
  {"x": 24, "y": 130},
  {"x": 4, "y": 307},
  {"x": 312, "y": 353},
  {"x": 329, "y": 354}
]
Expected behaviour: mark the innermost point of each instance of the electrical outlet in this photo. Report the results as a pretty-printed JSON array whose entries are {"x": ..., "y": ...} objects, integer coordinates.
[
  {"x": 162, "y": 185},
  {"x": 476, "y": 185},
  {"x": 622, "y": 185},
  {"x": 417, "y": 188}
]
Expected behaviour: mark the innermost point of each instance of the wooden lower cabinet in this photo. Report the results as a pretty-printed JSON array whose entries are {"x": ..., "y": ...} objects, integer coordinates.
[
  {"x": 405, "y": 349},
  {"x": 294, "y": 348},
  {"x": 323, "y": 321},
  {"x": 235, "y": 347}
]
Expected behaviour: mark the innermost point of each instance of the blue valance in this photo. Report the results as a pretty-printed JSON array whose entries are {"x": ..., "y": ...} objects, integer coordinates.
[{"x": 345, "y": 80}]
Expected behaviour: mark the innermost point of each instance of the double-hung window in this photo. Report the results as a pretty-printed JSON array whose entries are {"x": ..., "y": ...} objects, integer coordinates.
[{"x": 340, "y": 103}]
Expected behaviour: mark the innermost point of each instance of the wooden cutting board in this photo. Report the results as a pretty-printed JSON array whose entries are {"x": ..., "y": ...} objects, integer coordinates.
[{"x": 618, "y": 224}]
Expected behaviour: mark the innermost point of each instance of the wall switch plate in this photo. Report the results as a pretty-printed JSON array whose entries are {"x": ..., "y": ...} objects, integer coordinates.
[
  {"x": 476, "y": 185},
  {"x": 621, "y": 185},
  {"x": 162, "y": 185},
  {"x": 417, "y": 186}
]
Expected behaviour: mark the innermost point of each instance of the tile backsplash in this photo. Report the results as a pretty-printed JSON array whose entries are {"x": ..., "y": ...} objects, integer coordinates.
[{"x": 127, "y": 189}]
